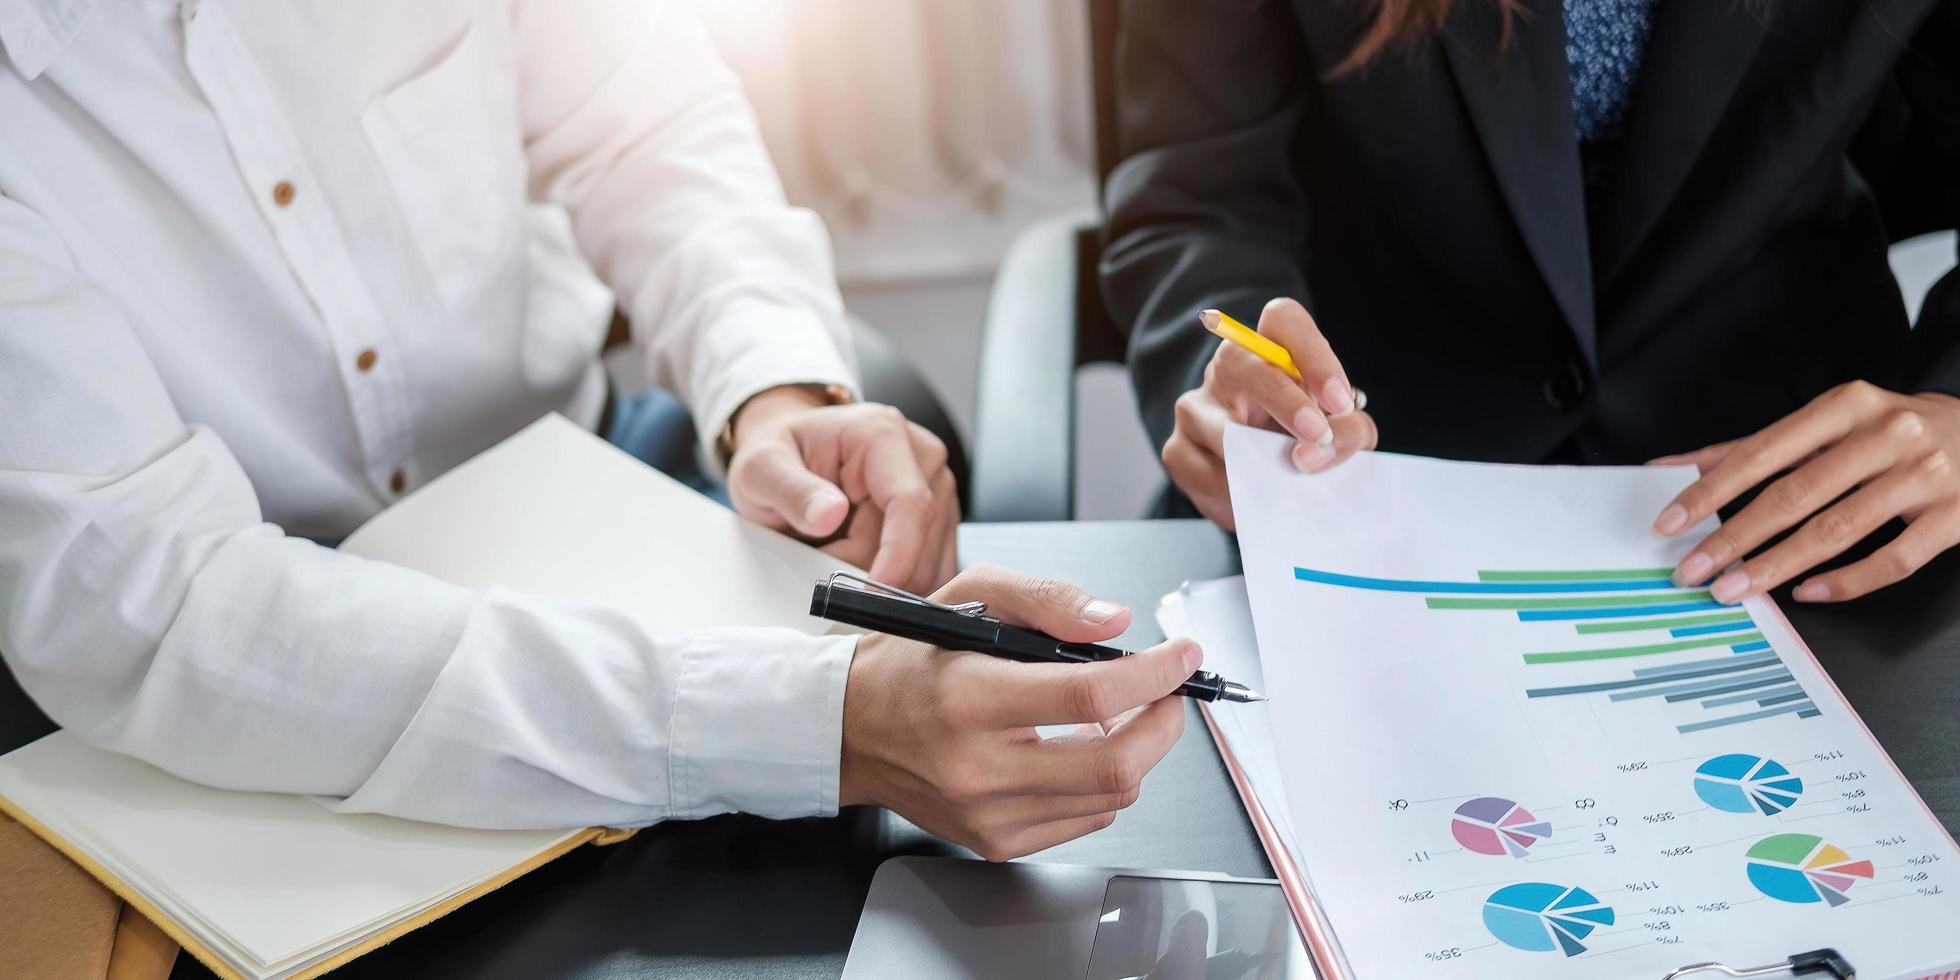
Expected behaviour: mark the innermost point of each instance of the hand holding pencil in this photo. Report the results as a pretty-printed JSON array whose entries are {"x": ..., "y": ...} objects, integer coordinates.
[{"x": 1283, "y": 377}]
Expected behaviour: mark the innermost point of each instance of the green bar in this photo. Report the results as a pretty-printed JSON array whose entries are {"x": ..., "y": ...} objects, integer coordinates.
[
  {"x": 1706, "y": 619},
  {"x": 1594, "y": 575},
  {"x": 1577, "y": 602},
  {"x": 1614, "y": 653}
]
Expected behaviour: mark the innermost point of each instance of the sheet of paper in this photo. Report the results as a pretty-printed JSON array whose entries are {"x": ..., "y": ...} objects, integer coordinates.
[
  {"x": 555, "y": 510},
  {"x": 275, "y": 874},
  {"x": 1513, "y": 749}
]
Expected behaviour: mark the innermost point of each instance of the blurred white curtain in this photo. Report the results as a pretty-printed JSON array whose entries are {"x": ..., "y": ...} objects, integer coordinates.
[{"x": 926, "y": 132}]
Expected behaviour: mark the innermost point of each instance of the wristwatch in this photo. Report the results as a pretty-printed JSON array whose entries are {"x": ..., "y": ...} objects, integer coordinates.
[{"x": 832, "y": 394}]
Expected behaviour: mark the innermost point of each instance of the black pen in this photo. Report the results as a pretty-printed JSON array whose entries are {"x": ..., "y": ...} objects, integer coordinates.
[{"x": 884, "y": 609}]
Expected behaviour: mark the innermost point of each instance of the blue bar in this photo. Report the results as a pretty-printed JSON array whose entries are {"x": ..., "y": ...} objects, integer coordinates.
[
  {"x": 1492, "y": 588},
  {"x": 1543, "y": 615},
  {"x": 1729, "y": 666},
  {"x": 1719, "y": 685},
  {"x": 1750, "y": 647},
  {"x": 1734, "y": 663},
  {"x": 1804, "y": 709},
  {"x": 1750, "y": 696},
  {"x": 1717, "y": 628},
  {"x": 1774, "y": 698}
]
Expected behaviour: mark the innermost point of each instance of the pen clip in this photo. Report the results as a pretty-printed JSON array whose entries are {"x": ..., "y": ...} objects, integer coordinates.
[{"x": 870, "y": 585}]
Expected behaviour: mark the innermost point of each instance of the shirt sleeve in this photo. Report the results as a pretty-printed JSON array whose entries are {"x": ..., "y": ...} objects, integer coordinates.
[
  {"x": 147, "y": 607},
  {"x": 635, "y": 125}
]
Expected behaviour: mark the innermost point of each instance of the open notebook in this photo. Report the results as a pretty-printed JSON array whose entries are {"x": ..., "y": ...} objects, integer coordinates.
[
  {"x": 267, "y": 885},
  {"x": 1502, "y": 744}
]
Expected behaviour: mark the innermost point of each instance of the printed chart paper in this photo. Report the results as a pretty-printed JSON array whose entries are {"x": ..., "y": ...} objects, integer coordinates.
[{"x": 1512, "y": 747}]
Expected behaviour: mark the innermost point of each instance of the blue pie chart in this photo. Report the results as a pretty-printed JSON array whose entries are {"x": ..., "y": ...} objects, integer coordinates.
[
  {"x": 1542, "y": 918},
  {"x": 1742, "y": 783}
]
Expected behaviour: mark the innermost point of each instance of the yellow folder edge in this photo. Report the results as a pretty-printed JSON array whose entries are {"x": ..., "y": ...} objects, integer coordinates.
[{"x": 592, "y": 835}]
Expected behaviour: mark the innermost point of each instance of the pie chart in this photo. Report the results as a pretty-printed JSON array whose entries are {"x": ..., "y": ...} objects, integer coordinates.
[
  {"x": 1802, "y": 869},
  {"x": 1747, "y": 784},
  {"x": 1494, "y": 825},
  {"x": 1542, "y": 917}
]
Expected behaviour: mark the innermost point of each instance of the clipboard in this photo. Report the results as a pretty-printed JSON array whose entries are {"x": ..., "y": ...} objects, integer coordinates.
[{"x": 1318, "y": 934}]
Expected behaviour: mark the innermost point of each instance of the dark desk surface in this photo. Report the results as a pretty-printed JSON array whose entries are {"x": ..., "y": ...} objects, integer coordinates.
[{"x": 741, "y": 897}]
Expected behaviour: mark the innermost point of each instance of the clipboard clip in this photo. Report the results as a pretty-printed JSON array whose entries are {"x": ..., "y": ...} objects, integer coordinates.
[
  {"x": 862, "y": 584},
  {"x": 1817, "y": 962}
]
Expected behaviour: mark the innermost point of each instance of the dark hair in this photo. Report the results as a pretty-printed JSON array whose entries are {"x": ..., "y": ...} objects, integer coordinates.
[{"x": 1399, "y": 23}]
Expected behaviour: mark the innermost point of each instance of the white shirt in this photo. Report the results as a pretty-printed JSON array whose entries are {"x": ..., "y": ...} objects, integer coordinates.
[{"x": 266, "y": 265}]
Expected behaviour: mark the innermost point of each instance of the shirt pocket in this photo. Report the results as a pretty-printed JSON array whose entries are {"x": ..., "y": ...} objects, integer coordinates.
[{"x": 450, "y": 144}]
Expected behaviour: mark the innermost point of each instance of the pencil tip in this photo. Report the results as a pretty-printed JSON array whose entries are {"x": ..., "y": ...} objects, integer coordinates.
[{"x": 1209, "y": 318}]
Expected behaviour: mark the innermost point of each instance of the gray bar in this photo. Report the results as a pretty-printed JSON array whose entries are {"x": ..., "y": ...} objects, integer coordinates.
[
  {"x": 1758, "y": 659},
  {"x": 1804, "y": 709},
  {"x": 1711, "y": 686},
  {"x": 1749, "y": 696},
  {"x": 1775, "y": 698},
  {"x": 1724, "y": 666},
  {"x": 1737, "y": 686}
]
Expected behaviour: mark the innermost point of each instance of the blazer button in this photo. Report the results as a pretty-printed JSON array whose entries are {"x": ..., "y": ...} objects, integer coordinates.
[{"x": 1567, "y": 388}]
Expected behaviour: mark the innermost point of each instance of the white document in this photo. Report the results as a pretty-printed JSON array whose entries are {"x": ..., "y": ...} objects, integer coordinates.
[
  {"x": 1511, "y": 748},
  {"x": 273, "y": 883}
]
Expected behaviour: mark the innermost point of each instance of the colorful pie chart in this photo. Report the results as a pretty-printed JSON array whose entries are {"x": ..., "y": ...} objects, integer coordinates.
[
  {"x": 1747, "y": 784},
  {"x": 1494, "y": 825},
  {"x": 1802, "y": 869},
  {"x": 1543, "y": 918}
]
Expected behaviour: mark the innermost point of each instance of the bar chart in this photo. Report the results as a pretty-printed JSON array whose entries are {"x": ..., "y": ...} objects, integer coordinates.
[{"x": 1678, "y": 645}]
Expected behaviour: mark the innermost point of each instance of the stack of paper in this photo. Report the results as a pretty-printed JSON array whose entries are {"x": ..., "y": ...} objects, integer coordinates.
[{"x": 1503, "y": 744}]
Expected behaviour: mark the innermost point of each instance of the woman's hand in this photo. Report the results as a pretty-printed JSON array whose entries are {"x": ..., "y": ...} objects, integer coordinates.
[
  {"x": 1318, "y": 411},
  {"x": 1887, "y": 455}
]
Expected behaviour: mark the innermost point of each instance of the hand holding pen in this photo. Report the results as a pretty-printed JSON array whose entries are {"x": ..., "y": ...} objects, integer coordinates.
[
  {"x": 1283, "y": 377},
  {"x": 948, "y": 738}
]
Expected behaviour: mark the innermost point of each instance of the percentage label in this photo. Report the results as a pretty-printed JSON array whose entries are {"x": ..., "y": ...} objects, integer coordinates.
[
  {"x": 1631, "y": 766},
  {"x": 1439, "y": 955}
]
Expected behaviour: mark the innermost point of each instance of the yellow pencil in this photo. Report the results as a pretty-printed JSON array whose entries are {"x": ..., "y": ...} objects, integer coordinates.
[
  {"x": 1232, "y": 331},
  {"x": 1227, "y": 329}
]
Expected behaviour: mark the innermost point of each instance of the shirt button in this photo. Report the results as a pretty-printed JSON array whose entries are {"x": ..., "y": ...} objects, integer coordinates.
[
  {"x": 283, "y": 193},
  {"x": 1567, "y": 388},
  {"x": 397, "y": 481},
  {"x": 364, "y": 361}
]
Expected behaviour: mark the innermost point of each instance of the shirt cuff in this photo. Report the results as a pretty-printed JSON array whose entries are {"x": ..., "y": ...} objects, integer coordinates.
[
  {"x": 755, "y": 347},
  {"x": 758, "y": 728}
]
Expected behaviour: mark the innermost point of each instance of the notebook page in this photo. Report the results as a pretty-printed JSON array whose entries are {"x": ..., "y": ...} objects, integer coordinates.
[
  {"x": 557, "y": 511},
  {"x": 277, "y": 873},
  {"x": 1514, "y": 749}
]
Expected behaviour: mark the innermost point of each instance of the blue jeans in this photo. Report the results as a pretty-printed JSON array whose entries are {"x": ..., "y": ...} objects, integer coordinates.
[{"x": 656, "y": 429}]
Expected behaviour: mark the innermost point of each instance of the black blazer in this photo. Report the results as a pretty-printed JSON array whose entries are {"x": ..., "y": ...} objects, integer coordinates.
[{"x": 1431, "y": 213}]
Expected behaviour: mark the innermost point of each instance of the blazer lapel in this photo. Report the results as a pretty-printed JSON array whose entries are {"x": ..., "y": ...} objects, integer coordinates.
[
  {"x": 1696, "y": 57},
  {"x": 1518, "y": 96}
]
